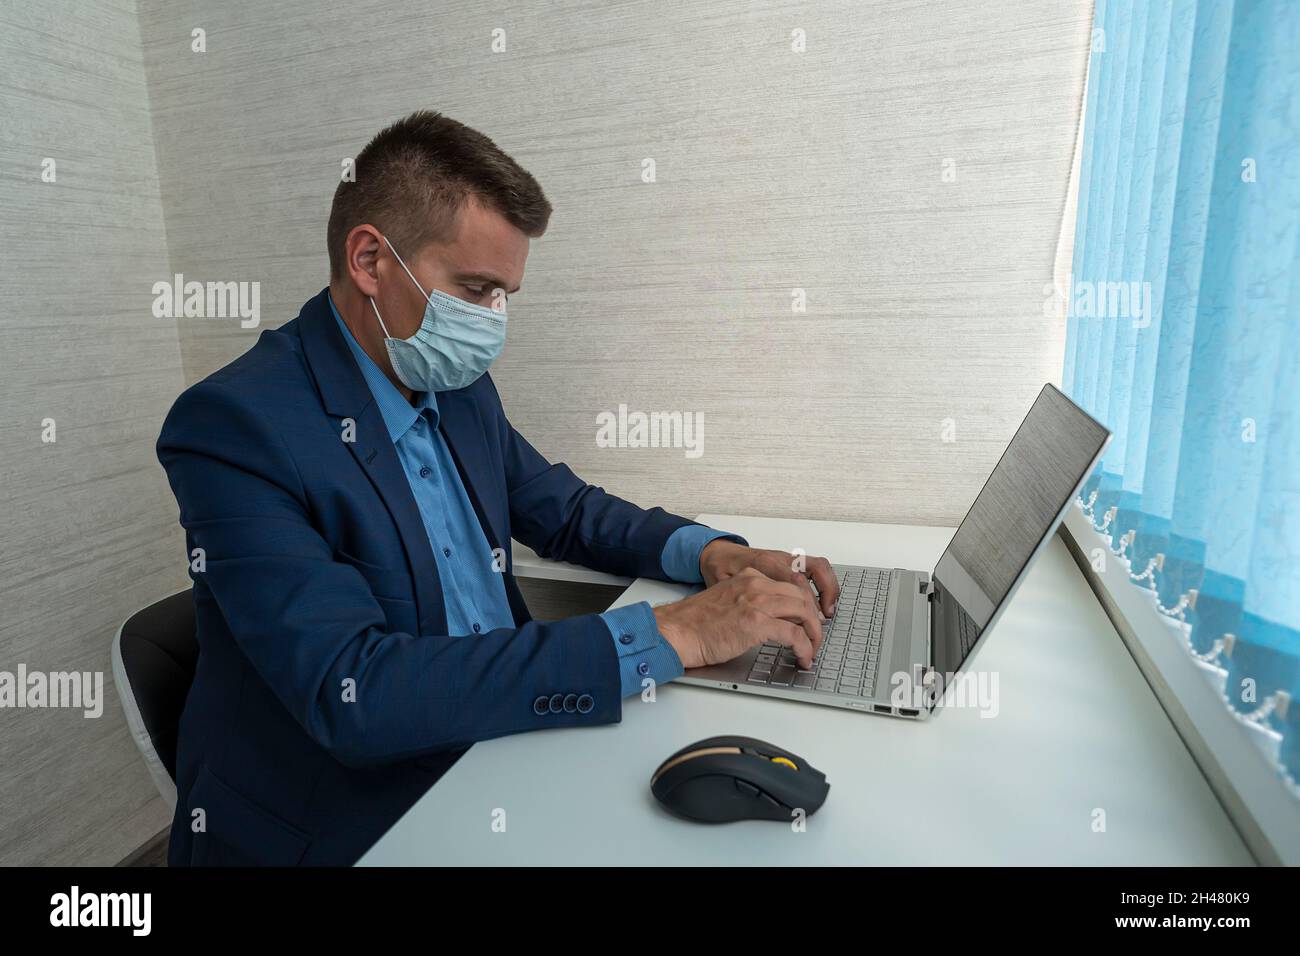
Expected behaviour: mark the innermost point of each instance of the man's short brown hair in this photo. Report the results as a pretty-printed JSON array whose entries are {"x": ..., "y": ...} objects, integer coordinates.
[{"x": 413, "y": 178}]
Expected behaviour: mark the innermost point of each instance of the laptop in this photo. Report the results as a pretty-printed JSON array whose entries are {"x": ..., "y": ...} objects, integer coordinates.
[{"x": 900, "y": 636}]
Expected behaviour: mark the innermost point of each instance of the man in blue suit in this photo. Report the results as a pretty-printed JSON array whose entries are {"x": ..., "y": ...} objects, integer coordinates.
[{"x": 349, "y": 488}]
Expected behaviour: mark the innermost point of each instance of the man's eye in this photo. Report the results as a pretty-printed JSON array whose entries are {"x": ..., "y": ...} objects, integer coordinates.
[{"x": 475, "y": 293}]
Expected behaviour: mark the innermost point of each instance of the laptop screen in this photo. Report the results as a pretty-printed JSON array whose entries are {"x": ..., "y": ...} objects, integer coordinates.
[{"x": 1019, "y": 506}]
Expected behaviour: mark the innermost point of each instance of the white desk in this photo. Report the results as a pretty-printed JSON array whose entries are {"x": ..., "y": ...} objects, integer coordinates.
[
  {"x": 528, "y": 564},
  {"x": 1078, "y": 731}
]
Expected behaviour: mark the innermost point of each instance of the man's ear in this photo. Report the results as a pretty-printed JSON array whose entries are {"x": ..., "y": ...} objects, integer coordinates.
[{"x": 363, "y": 246}]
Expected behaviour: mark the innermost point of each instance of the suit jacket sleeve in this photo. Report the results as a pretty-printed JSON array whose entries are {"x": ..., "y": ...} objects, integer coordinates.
[{"x": 308, "y": 623}]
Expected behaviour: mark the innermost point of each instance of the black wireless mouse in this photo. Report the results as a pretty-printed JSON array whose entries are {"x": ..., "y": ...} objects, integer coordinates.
[{"x": 738, "y": 778}]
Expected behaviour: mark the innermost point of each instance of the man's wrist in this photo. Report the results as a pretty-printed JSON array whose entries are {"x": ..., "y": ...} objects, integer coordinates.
[
  {"x": 714, "y": 556},
  {"x": 680, "y": 559},
  {"x": 670, "y": 631}
]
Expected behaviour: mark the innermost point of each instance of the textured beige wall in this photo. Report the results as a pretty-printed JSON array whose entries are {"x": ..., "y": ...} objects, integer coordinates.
[
  {"x": 88, "y": 523},
  {"x": 775, "y": 171}
]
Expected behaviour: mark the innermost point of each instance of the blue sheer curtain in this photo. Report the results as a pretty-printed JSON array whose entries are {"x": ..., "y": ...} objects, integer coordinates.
[{"x": 1184, "y": 329}]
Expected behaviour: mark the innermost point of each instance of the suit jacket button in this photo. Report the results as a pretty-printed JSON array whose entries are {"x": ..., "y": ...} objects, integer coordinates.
[
  {"x": 571, "y": 703},
  {"x": 585, "y": 704},
  {"x": 541, "y": 705},
  {"x": 557, "y": 703}
]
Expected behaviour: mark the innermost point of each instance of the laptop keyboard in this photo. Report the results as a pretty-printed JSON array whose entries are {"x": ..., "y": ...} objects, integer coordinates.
[{"x": 850, "y": 654}]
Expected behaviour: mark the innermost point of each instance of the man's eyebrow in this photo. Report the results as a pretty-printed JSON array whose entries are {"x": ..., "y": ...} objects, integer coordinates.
[{"x": 491, "y": 280}]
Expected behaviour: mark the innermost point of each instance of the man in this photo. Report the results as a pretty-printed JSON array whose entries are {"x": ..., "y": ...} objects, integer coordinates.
[{"x": 349, "y": 488}]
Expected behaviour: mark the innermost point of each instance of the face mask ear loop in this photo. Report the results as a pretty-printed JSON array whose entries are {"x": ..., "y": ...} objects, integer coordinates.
[
  {"x": 426, "y": 295},
  {"x": 379, "y": 317}
]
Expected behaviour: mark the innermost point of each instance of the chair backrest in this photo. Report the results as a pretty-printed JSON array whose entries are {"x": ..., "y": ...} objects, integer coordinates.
[{"x": 154, "y": 656}]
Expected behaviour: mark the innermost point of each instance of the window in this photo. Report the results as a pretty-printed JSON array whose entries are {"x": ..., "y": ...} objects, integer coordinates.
[{"x": 1183, "y": 313}]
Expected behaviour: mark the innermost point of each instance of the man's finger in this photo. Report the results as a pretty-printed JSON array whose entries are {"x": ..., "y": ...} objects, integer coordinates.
[
  {"x": 797, "y": 588},
  {"x": 794, "y": 637},
  {"x": 778, "y": 566},
  {"x": 797, "y": 610},
  {"x": 828, "y": 586}
]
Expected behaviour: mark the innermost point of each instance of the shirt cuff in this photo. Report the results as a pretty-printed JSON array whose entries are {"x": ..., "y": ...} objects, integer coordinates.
[
  {"x": 642, "y": 651},
  {"x": 681, "y": 557}
]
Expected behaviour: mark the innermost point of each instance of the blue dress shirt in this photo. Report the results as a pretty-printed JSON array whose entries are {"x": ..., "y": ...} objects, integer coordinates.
[{"x": 474, "y": 592}]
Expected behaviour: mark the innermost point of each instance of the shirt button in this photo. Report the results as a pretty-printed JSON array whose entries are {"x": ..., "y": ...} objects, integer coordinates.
[
  {"x": 425, "y": 471},
  {"x": 643, "y": 668},
  {"x": 625, "y": 638},
  {"x": 447, "y": 552},
  {"x": 476, "y": 628}
]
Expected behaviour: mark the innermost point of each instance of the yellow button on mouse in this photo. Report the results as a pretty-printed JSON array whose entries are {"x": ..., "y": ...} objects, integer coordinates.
[{"x": 786, "y": 761}]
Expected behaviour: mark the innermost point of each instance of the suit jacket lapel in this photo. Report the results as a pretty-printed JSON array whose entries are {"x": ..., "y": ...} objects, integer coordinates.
[
  {"x": 462, "y": 427},
  {"x": 345, "y": 394}
]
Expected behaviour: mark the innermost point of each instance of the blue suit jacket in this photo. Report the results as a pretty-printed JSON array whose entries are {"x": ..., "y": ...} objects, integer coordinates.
[{"x": 328, "y": 697}]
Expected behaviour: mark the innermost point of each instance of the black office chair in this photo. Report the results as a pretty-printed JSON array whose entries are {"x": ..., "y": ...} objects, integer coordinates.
[{"x": 154, "y": 656}]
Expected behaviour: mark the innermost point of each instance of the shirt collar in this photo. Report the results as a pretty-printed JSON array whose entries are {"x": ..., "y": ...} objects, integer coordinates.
[{"x": 398, "y": 414}]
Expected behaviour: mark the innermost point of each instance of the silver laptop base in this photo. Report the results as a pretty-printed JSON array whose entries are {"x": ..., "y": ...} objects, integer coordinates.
[{"x": 880, "y": 628}]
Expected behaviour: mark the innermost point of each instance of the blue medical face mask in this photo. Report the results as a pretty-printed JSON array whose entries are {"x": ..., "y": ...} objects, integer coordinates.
[{"x": 452, "y": 348}]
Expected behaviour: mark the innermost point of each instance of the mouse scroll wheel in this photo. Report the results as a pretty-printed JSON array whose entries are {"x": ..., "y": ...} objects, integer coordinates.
[{"x": 784, "y": 761}]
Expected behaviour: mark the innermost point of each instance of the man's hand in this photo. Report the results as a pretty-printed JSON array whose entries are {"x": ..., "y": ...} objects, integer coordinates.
[
  {"x": 744, "y": 610},
  {"x": 722, "y": 559}
]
